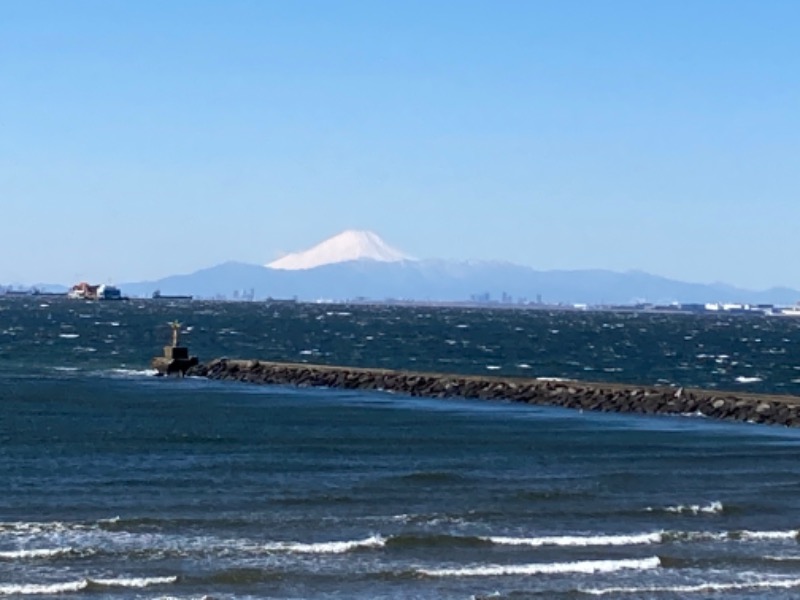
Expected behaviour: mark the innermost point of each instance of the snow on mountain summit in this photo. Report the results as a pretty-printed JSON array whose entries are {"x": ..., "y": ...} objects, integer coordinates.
[{"x": 348, "y": 245}]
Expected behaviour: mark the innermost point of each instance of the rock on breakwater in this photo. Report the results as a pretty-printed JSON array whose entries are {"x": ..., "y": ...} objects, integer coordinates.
[{"x": 596, "y": 396}]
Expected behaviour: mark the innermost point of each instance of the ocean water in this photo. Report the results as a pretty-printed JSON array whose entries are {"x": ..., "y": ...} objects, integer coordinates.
[{"x": 118, "y": 484}]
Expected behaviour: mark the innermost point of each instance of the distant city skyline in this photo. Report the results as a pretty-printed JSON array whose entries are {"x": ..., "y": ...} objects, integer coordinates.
[{"x": 144, "y": 139}]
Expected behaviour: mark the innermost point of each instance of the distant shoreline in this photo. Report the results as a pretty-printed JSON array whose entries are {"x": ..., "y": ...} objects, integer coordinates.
[
  {"x": 783, "y": 312},
  {"x": 596, "y": 396}
]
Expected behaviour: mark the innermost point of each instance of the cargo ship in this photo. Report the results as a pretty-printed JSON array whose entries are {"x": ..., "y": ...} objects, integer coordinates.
[{"x": 157, "y": 295}]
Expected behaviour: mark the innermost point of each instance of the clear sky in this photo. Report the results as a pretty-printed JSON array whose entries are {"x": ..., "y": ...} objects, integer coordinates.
[{"x": 145, "y": 138}]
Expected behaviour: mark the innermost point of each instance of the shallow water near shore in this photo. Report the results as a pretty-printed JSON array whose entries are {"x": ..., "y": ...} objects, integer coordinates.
[{"x": 118, "y": 484}]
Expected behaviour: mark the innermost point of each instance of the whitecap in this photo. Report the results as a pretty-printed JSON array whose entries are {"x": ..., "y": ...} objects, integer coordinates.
[
  {"x": 768, "y": 535},
  {"x": 34, "y": 527},
  {"x": 69, "y": 336},
  {"x": 578, "y": 540},
  {"x": 711, "y": 508},
  {"x": 374, "y": 541},
  {"x": 34, "y": 553},
  {"x": 700, "y": 588},
  {"x": 28, "y": 589},
  {"x": 731, "y": 536},
  {"x": 135, "y": 582},
  {"x": 492, "y": 367},
  {"x": 582, "y": 566},
  {"x": 742, "y": 379},
  {"x": 696, "y": 536},
  {"x": 134, "y": 372}
]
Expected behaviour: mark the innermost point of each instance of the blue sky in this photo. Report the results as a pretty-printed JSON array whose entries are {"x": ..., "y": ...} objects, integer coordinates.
[{"x": 144, "y": 138}]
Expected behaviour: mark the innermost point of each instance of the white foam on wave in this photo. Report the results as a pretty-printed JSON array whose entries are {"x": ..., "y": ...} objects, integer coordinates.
[
  {"x": 712, "y": 508},
  {"x": 135, "y": 582},
  {"x": 493, "y": 367},
  {"x": 768, "y": 535},
  {"x": 31, "y": 589},
  {"x": 432, "y": 520},
  {"x": 42, "y": 589},
  {"x": 34, "y": 553},
  {"x": 552, "y": 379},
  {"x": 583, "y": 566},
  {"x": 134, "y": 372},
  {"x": 42, "y": 540},
  {"x": 36, "y": 527},
  {"x": 637, "y": 539},
  {"x": 793, "y": 558},
  {"x": 579, "y": 540},
  {"x": 374, "y": 541},
  {"x": 69, "y": 336},
  {"x": 697, "y": 536},
  {"x": 701, "y": 588},
  {"x": 65, "y": 369},
  {"x": 743, "y": 379},
  {"x": 732, "y": 536}
]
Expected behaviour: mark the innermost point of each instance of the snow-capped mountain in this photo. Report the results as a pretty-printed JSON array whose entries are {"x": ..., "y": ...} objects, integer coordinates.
[
  {"x": 444, "y": 280},
  {"x": 359, "y": 264},
  {"x": 344, "y": 247}
]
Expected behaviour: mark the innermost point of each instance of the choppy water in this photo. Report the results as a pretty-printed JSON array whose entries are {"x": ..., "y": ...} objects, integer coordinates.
[{"x": 121, "y": 485}]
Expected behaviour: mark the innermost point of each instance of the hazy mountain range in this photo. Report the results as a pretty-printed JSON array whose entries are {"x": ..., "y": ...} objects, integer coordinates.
[{"x": 358, "y": 264}]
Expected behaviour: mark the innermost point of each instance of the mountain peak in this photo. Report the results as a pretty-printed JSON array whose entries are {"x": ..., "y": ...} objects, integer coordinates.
[{"x": 349, "y": 245}]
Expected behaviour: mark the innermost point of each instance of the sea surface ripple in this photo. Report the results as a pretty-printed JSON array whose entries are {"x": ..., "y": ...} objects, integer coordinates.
[{"x": 118, "y": 484}]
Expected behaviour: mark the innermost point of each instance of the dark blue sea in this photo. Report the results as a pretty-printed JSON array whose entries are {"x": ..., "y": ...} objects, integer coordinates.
[{"x": 118, "y": 484}]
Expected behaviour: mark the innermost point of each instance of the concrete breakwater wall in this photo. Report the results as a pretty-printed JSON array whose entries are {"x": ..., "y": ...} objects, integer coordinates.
[{"x": 607, "y": 397}]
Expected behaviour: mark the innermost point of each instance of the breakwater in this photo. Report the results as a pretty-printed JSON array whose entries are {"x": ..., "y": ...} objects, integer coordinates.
[{"x": 595, "y": 396}]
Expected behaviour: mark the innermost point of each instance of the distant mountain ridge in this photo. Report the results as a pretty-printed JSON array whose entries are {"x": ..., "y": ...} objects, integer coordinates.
[{"x": 359, "y": 265}]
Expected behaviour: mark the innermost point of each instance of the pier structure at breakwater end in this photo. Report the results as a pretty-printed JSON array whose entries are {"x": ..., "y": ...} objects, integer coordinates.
[
  {"x": 176, "y": 359},
  {"x": 595, "y": 396}
]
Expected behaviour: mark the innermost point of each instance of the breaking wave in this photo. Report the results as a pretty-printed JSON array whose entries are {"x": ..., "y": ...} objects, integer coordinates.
[
  {"x": 583, "y": 566},
  {"x": 133, "y": 372},
  {"x": 31, "y": 589},
  {"x": 35, "y": 553},
  {"x": 577, "y": 540},
  {"x": 701, "y": 588},
  {"x": 712, "y": 508},
  {"x": 374, "y": 541}
]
